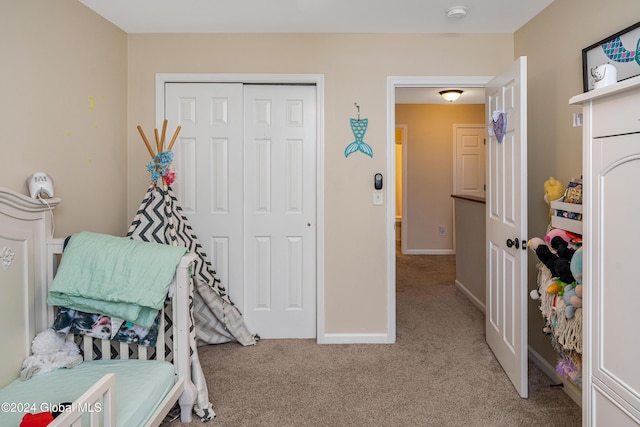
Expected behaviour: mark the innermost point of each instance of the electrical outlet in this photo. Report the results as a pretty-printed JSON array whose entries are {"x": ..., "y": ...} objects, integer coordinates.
[{"x": 442, "y": 230}]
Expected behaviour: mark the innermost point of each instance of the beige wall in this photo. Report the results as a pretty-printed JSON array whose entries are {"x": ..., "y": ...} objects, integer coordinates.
[
  {"x": 470, "y": 220},
  {"x": 430, "y": 143},
  {"x": 355, "y": 69},
  {"x": 56, "y": 55},
  {"x": 553, "y": 42}
]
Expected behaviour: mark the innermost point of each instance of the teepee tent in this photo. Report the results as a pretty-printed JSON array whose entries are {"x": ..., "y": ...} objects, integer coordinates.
[{"x": 160, "y": 219}]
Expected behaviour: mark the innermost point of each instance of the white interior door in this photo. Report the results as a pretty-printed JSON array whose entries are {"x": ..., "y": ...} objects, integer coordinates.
[
  {"x": 280, "y": 210},
  {"x": 506, "y": 201},
  {"x": 470, "y": 160},
  {"x": 245, "y": 162}
]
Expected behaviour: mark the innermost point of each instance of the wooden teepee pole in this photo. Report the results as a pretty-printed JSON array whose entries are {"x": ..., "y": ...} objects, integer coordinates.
[
  {"x": 146, "y": 141},
  {"x": 164, "y": 132},
  {"x": 173, "y": 139}
]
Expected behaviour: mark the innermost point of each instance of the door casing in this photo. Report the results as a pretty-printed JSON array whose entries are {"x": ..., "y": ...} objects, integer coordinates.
[{"x": 318, "y": 81}]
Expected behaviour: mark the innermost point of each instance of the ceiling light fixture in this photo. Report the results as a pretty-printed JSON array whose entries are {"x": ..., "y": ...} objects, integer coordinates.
[
  {"x": 451, "y": 94},
  {"x": 457, "y": 12}
]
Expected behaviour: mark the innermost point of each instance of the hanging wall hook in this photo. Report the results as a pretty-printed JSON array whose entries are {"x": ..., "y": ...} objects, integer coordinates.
[{"x": 358, "y": 107}]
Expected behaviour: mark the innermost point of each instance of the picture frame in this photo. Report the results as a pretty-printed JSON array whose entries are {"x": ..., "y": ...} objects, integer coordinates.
[{"x": 621, "y": 49}]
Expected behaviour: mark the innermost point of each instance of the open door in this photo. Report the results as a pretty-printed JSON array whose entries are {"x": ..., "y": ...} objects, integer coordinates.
[{"x": 506, "y": 201}]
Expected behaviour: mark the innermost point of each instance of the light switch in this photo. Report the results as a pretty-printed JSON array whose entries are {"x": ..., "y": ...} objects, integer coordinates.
[
  {"x": 577, "y": 120},
  {"x": 377, "y": 197}
]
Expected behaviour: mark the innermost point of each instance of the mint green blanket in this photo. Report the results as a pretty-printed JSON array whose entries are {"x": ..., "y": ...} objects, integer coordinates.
[{"x": 115, "y": 276}]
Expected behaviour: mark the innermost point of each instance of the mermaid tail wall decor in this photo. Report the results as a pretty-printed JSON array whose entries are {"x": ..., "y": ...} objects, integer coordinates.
[
  {"x": 618, "y": 53},
  {"x": 359, "y": 127}
]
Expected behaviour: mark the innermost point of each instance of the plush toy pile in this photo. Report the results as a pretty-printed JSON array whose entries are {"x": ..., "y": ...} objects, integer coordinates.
[
  {"x": 557, "y": 252},
  {"x": 50, "y": 351},
  {"x": 560, "y": 290}
]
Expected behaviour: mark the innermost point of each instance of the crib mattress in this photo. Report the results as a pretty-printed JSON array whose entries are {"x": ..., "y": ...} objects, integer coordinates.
[{"x": 140, "y": 386}]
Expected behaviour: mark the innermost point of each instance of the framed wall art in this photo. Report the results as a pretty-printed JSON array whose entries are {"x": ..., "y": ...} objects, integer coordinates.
[{"x": 622, "y": 50}]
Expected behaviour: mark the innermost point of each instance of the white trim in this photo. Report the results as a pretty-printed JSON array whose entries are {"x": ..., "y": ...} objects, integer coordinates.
[
  {"x": 318, "y": 81},
  {"x": 356, "y": 339},
  {"x": 430, "y": 252},
  {"x": 568, "y": 387},
  {"x": 392, "y": 83},
  {"x": 481, "y": 306}
]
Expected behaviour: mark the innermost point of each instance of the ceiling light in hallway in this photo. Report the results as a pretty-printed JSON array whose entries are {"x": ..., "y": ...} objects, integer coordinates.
[
  {"x": 451, "y": 94},
  {"x": 457, "y": 12}
]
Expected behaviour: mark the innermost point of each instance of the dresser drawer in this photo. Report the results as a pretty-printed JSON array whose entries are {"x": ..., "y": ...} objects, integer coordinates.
[{"x": 617, "y": 114}]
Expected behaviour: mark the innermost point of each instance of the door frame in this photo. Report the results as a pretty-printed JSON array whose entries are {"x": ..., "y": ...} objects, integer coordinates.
[
  {"x": 403, "y": 218},
  {"x": 314, "y": 79},
  {"x": 394, "y": 82}
]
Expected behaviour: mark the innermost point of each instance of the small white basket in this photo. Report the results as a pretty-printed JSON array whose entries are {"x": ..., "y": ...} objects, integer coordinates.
[{"x": 572, "y": 225}]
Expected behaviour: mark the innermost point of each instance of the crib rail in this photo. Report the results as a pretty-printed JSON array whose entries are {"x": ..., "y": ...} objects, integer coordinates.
[
  {"x": 99, "y": 402},
  {"x": 96, "y": 348},
  {"x": 173, "y": 342}
]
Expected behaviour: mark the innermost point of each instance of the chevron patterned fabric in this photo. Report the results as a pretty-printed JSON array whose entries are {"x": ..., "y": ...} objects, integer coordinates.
[
  {"x": 160, "y": 219},
  {"x": 215, "y": 319}
]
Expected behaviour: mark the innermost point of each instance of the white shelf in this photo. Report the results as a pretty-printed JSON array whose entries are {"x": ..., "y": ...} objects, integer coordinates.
[{"x": 563, "y": 223}]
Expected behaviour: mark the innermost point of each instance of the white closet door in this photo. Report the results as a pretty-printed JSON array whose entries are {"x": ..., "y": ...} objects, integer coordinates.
[
  {"x": 208, "y": 163},
  {"x": 280, "y": 210},
  {"x": 246, "y": 178}
]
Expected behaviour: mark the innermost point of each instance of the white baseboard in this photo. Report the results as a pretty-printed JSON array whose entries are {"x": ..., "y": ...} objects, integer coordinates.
[
  {"x": 481, "y": 306},
  {"x": 355, "y": 339},
  {"x": 572, "y": 390},
  {"x": 429, "y": 252}
]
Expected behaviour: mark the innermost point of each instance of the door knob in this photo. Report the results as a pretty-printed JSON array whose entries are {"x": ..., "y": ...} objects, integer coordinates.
[{"x": 511, "y": 243}]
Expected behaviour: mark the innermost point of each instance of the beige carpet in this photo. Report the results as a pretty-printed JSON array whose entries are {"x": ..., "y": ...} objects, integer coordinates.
[{"x": 439, "y": 373}]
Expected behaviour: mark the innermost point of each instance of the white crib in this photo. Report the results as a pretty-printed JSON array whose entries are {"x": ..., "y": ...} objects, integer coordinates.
[{"x": 28, "y": 260}]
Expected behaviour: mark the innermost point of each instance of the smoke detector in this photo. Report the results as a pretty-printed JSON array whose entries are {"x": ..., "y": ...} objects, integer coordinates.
[{"x": 457, "y": 12}]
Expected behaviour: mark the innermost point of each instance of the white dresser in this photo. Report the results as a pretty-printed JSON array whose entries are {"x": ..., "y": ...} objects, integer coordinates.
[{"x": 611, "y": 263}]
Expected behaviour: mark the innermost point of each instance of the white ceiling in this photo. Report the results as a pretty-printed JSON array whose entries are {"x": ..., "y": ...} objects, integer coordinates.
[
  {"x": 315, "y": 16},
  {"x": 324, "y": 16}
]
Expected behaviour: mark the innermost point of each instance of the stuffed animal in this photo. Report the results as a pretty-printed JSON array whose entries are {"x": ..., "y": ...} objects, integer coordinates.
[
  {"x": 556, "y": 287},
  {"x": 568, "y": 369},
  {"x": 557, "y": 263},
  {"x": 562, "y": 248},
  {"x": 50, "y": 351},
  {"x": 576, "y": 270},
  {"x": 42, "y": 419},
  {"x": 557, "y": 232},
  {"x": 569, "y": 296},
  {"x": 544, "y": 254},
  {"x": 553, "y": 190},
  {"x": 563, "y": 263}
]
